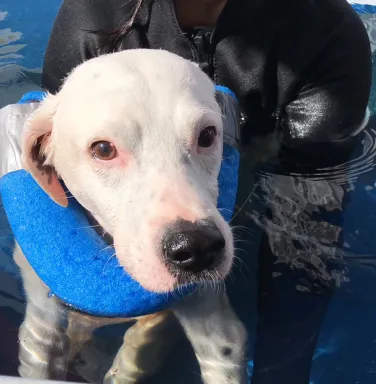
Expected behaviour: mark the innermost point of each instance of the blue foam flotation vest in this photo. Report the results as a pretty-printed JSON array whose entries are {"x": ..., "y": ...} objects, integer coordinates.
[{"x": 73, "y": 260}]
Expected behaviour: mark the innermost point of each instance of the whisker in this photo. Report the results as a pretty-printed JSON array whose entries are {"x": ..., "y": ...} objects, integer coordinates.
[
  {"x": 242, "y": 264},
  {"x": 89, "y": 226},
  {"x": 102, "y": 250},
  {"x": 244, "y": 204},
  {"x": 242, "y": 228},
  {"x": 231, "y": 276},
  {"x": 107, "y": 262},
  {"x": 236, "y": 241},
  {"x": 225, "y": 209}
]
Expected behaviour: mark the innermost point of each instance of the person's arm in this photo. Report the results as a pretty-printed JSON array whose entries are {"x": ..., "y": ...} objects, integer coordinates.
[
  {"x": 74, "y": 36},
  {"x": 331, "y": 105}
]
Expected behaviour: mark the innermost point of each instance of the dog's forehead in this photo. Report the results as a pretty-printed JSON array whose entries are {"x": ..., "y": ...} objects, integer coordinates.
[
  {"x": 139, "y": 70},
  {"x": 132, "y": 89}
]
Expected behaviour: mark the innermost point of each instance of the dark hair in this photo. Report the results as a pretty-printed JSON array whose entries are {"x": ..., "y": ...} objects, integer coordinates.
[{"x": 110, "y": 41}]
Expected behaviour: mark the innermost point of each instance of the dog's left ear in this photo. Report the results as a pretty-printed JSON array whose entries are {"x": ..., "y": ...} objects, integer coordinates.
[{"x": 37, "y": 150}]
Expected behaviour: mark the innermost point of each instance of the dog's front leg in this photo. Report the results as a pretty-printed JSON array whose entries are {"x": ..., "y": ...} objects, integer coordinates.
[
  {"x": 217, "y": 336},
  {"x": 43, "y": 349},
  {"x": 146, "y": 346}
]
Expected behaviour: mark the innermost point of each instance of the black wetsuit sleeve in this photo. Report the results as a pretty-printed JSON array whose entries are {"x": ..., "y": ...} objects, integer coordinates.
[
  {"x": 331, "y": 104},
  {"x": 74, "y": 39}
]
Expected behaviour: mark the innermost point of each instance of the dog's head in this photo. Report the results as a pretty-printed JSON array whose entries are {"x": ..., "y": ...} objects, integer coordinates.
[{"x": 137, "y": 139}]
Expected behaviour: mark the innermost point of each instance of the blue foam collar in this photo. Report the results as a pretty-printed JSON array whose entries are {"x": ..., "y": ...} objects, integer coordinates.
[{"x": 73, "y": 260}]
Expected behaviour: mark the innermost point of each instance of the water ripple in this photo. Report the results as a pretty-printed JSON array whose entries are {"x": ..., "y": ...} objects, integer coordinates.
[{"x": 305, "y": 216}]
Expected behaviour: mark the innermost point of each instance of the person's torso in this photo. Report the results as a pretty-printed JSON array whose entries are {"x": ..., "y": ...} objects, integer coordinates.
[{"x": 264, "y": 51}]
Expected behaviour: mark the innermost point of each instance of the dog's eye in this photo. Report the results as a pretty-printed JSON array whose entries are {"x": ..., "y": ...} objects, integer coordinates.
[
  {"x": 103, "y": 150},
  {"x": 207, "y": 137}
]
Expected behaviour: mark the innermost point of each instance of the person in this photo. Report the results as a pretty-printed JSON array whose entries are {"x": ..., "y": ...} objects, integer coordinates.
[{"x": 301, "y": 70}]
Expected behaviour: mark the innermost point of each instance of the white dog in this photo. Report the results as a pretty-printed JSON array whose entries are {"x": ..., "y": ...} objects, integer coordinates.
[{"x": 136, "y": 137}]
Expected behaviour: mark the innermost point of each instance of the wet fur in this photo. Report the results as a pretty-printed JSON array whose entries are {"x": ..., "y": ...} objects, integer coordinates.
[{"x": 152, "y": 104}]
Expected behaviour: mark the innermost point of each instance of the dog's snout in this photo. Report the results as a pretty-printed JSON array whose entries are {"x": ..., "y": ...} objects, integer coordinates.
[{"x": 193, "y": 247}]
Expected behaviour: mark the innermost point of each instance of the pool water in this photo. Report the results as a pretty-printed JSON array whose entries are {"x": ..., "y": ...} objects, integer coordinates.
[{"x": 304, "y": 280}]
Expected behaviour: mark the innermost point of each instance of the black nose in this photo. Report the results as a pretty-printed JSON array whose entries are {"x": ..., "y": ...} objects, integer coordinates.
[{"x": 193, "y": 247}]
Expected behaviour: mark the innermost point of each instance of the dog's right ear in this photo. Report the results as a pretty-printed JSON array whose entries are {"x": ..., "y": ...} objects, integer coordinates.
[{"x": 38, "y": 151}]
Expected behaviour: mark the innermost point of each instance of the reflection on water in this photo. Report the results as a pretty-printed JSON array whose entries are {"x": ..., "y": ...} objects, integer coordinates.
[{"x": 305, "y": 215}]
